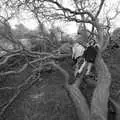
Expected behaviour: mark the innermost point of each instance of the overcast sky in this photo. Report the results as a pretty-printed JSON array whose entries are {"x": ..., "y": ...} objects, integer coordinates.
[{"x": 68, "y": 27}]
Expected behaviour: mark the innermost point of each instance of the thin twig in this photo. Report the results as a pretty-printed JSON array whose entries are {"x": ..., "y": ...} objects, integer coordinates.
[
  {"x": 8, "y": 88},
  {"x": 9, "y": 103},
  {"x": 7, "y": 57},
  {"x": 20, "y": 88},
  {"x": 15, "y": 72}
]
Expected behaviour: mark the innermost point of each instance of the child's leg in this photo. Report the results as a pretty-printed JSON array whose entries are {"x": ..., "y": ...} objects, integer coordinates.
[
  {"x": 89, "y": 68},
  {"x": 82, "y": 66},
  {"x": 77, "y": 66}
]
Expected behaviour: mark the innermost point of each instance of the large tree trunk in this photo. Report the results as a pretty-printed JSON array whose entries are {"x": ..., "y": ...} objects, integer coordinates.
[
  {"x": 99, "y": 105},
  {"x": 79, "y": 102},
  {"x": 78, "y": 98},
  {"x": 117, "y": 108}
]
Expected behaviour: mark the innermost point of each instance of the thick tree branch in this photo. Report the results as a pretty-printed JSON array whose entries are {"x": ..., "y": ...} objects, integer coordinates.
[
  {"x": 99, "y": 105},
  {"x": 64, "y": 72},
  {"x": 100, "y": 7}
]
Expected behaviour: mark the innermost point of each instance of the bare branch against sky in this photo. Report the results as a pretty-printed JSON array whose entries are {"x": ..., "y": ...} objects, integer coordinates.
[{"x": 54, "y": 10}]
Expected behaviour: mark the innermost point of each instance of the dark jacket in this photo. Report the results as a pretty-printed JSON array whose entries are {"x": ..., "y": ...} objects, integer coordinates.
[{"x": 90, "y": 53}]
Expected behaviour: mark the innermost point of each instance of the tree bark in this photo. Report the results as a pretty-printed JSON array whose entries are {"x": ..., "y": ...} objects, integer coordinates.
[
  {"x": 117, "y": 113},
  {"x": 99, "y": 104},
  {"x": 78, "y": 98},
  {"x": 117, "y": 108},
  {"x": 79, "y": 102}
]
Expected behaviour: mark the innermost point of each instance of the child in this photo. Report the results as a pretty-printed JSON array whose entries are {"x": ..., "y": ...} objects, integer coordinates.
[
  {"x": 77, "y": 53},
  {"x": 89, "y": 56}
]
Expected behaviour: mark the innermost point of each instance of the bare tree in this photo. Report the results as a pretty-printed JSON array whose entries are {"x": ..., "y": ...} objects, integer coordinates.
[{"x": 86, "y": 12}]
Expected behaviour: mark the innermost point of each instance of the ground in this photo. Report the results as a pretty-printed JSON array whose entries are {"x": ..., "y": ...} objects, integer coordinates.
[{"x": 47, "y": 98}]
